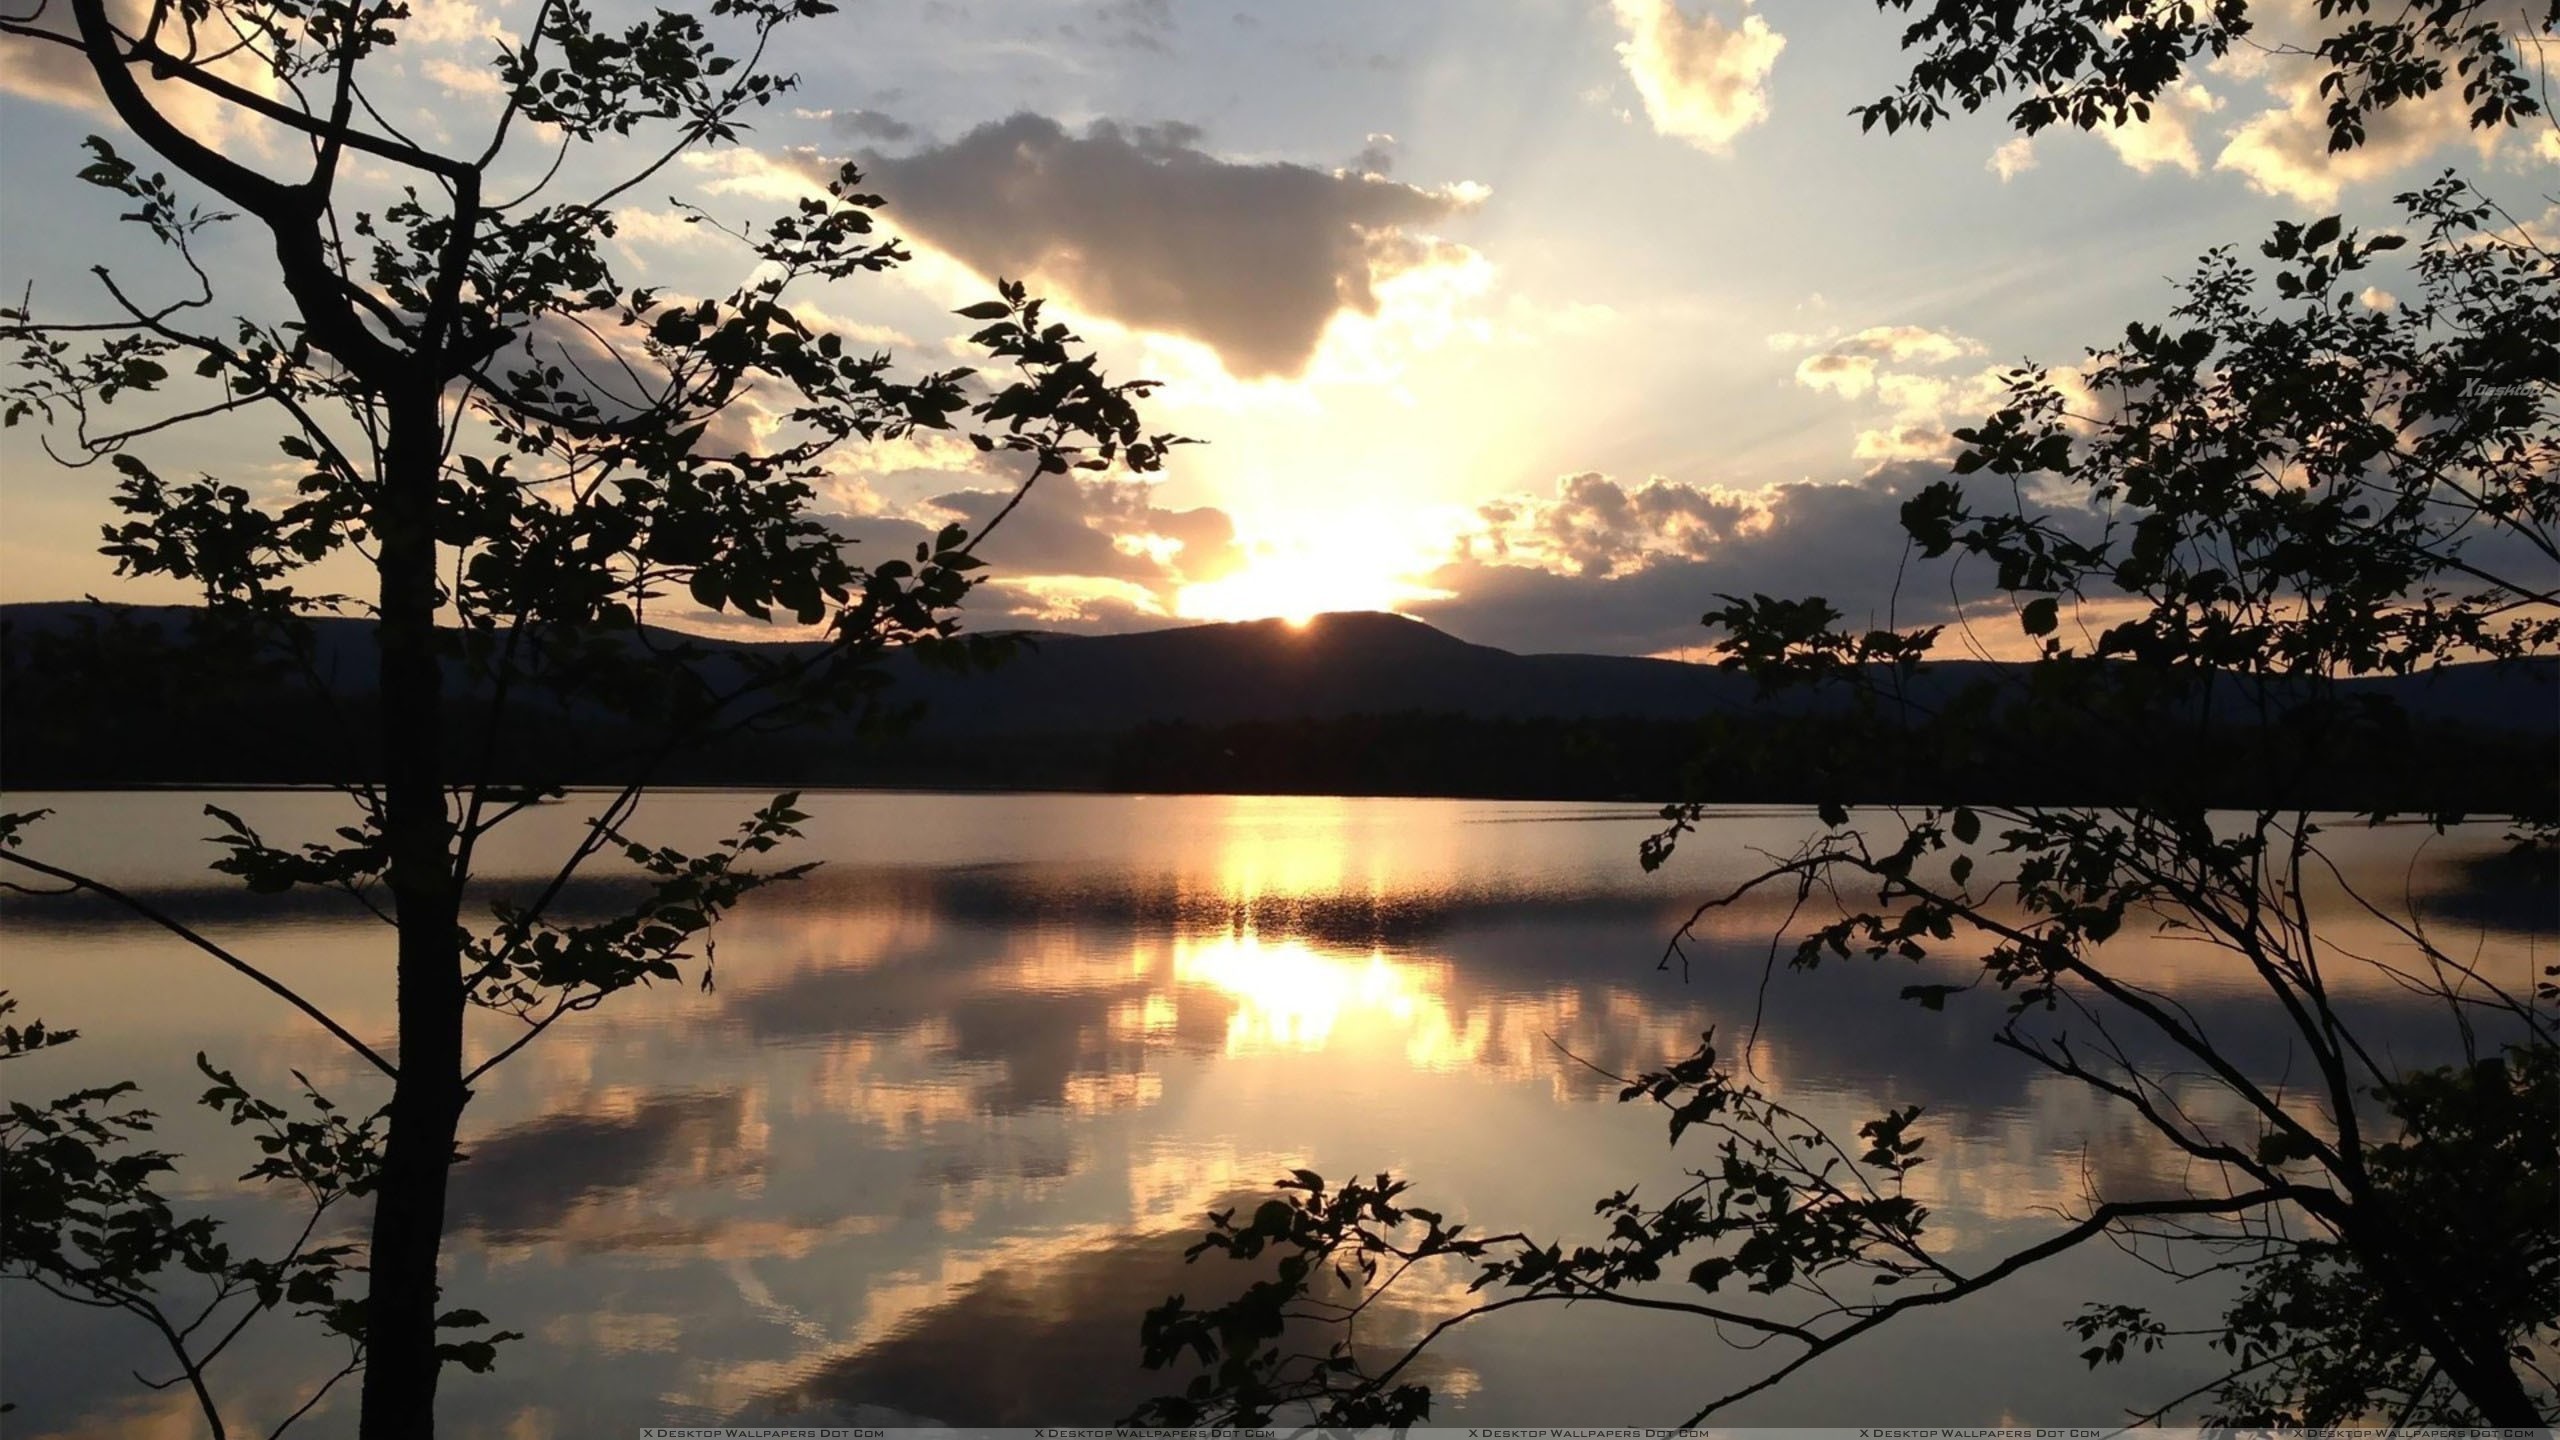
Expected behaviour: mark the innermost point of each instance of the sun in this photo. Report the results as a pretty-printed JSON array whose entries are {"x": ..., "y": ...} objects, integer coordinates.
[{"x": 1298, "y": 584}]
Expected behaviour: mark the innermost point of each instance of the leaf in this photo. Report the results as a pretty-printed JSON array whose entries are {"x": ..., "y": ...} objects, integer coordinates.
[
  {"x": 1967, "y": 826},
  {"x": 985, "y": 310},
  {"x": 2042, "y": 616},
  {"x": 476, "y": 1356}
]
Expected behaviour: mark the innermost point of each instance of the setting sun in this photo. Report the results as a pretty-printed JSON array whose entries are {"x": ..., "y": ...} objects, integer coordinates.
[{"x": 1298, "y": 582}]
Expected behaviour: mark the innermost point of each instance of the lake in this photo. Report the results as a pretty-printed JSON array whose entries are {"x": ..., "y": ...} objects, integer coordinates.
[{"x": 960, "y": 1099}]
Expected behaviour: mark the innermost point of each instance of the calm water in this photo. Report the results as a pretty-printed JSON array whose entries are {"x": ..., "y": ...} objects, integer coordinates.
[{"x": 960, "y": 1098}]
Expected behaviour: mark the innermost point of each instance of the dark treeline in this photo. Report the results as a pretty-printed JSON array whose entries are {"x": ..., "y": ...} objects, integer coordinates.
[{"x": 91, "y": 701}]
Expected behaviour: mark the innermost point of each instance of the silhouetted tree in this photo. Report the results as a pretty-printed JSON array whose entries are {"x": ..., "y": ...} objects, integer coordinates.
[
  {"x": 2088, "y": 63},
  {"x": 2275, "y": 491},
  {"x": 87, "y": 1223},
  {"x": 515, "y": 442}
]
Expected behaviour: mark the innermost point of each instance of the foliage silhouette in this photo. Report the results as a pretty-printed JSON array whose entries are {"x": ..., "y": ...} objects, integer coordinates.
[
  {"x": 502, "y": 433},
  {"x": 2088, "y": 63},
  {"x": 85, "y": 1222}
]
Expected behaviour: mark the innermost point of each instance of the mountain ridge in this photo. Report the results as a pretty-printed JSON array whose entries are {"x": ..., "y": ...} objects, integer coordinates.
[{"x": 1350, "y": 702}]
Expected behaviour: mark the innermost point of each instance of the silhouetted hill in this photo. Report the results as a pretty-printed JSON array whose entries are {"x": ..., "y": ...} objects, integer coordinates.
[
  {"x": 1355, "y": 703},
  {"x": 1335, "y": 665}
]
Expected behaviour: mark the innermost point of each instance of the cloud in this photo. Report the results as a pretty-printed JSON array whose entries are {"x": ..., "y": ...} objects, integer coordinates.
[
  {"x": 1925, "y": 411},
  {"x": 449, "y": 43},
  {"x": 867, "y": 124},
  {"x": 2282, "y": 147},
  {"x": 1044, "y": 1332},
  {"x": 2285, "y": 150},
  {"x": 1146, "y": 25},
  {"x": 54, "y": 74},
  {"x": 524, "y": 1182},
  {"x": 1376, "y": 158},
  {"x": 1848, "y": 367},
  {"x": 1848, "y": 376},
  {"x": 2012, "y": 159},
  {"x": 2542, "y": 232},
  {"x": 1079, "y": 553},
  {"x": 1097, "y": 527},
  {"x": 1904, "y": 438},
  {"x": 1138, "y": 24},
  {"x": 451, "y": 22},
  {"x": 2168, "y": 137},
  {"x": 1907, "y": 342},
  {"x": 1596, "y": 527},
  {"x": 461, "y": 79},
  {"x": 1887, "y": 366},
  {"x": 1138, "y": 225},
  {"x": 1702, "y": 81},
  {"x": 1839, "y": 540}
]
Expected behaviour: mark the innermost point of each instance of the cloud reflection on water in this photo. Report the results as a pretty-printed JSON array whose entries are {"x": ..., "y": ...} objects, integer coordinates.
[{"x": 976, "y": 1080}]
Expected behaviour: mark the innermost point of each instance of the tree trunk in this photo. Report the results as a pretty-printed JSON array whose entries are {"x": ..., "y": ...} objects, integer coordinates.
[
  {"x": 2478, "y": 1367},
  {"x": 426, "y": 1100}
]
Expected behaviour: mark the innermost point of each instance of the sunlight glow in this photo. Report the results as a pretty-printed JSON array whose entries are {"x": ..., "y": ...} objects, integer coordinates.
[
  {"x": 1291, "y": 996},
  {"x": 1297, "y": 584}
]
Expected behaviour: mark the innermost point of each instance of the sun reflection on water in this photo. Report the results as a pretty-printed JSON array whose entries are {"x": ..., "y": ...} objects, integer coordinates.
[{"x": 1290, "y": 995}]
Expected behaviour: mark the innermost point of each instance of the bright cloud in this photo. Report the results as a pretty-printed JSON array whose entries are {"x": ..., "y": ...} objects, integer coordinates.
[
  {"x": 59, "y": 75},
  {"x": 2012, "y": 159},
  {"x": 1849, "y": 367},
  {"x": 1702, "y": 81},
  {"x": 459, "y": 78},
  {"x": 2285, "y": 150},
  {"x": 2168, "y": 137},
  {"x": 1890, "y": 366}
]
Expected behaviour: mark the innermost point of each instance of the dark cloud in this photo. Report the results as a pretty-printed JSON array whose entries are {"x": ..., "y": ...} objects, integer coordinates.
[
  {"x": 1078, "y": 553},
  {"x": 1377, "y": 157},
  {"x": 523, "y": 1182},
  {"x": 870, "y": 125},
  {"x": 1139, "y": 225},
  {"x": 1612, "y": 581},
  {"x": 1125, "y": 25},
  {"x": 1052, "y": 1341},
  {"x": 1096, "y": 527},
  {"x": 1138, "y": 24},
  {"x": 1597, "y": 528}
]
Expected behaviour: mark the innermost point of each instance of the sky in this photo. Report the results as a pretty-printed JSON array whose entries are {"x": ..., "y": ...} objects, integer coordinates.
[{"x": 1544, "y": 321}]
